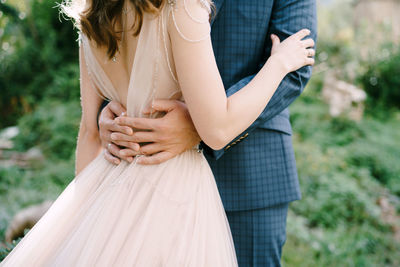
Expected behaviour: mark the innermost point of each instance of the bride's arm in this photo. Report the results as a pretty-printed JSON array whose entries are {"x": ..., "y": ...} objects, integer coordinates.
[
  {"x": 219, "y": 119},
  {"x": 88, "y": 144}
]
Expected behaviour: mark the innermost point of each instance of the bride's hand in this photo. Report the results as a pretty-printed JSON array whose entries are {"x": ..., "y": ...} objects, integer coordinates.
[{"x": 294, "y": 52}]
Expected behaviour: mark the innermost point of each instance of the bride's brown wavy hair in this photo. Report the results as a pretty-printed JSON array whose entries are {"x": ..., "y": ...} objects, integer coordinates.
[{"x": 97, "y": 20}]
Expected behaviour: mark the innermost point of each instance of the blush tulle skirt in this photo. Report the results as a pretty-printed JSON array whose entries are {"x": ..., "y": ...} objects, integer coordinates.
[{"x": 169, "y": 214}]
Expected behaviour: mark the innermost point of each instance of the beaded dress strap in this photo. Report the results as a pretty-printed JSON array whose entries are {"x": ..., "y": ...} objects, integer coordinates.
[{"x": 171, "y": 10}]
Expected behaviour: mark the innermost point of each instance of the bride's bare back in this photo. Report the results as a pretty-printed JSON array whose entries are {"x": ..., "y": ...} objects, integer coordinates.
[{"x": 140, "y": 70}]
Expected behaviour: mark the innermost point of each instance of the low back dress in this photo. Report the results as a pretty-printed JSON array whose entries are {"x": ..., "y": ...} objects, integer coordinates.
[{"x": 168, "y": 214}]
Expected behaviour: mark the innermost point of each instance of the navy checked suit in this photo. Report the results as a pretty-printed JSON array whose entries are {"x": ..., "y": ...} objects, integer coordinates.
[{"x": 256, "y": 173}]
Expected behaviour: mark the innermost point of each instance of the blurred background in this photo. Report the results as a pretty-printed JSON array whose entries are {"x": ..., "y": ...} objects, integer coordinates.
[{"x": 346, "y": 130}]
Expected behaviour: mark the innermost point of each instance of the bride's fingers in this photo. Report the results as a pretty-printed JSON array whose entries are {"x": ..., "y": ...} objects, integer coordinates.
[
  {"x": 310, "y": 61},
  {"x": 301, "y": 34},
  {"x": 275, "y": 40},
  {"x": 307, "y": 43},
  {"x": 310, "y": 52},
  {"x": 163, "y": 105}
]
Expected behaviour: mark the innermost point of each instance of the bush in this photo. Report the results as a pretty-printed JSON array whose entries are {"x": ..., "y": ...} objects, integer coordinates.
[
  {"x": 381, "y": 81},
  {"x": 43, "y": 49},
  {"x": 53, "y": 126}
]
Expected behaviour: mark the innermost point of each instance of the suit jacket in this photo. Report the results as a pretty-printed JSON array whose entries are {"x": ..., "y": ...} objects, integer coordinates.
[{"x": 257, "y": 169}]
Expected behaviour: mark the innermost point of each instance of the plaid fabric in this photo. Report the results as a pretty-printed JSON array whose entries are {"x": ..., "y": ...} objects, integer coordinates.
[
  {"x": 259, "y": 235},
  {"x": 257, "y": 169}
]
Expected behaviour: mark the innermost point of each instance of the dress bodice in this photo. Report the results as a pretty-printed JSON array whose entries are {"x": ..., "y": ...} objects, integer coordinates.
[{"x": 152, "y": 74}]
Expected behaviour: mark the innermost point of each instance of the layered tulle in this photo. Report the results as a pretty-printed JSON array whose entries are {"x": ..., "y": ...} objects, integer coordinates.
[{"x": 133, "y": 215}]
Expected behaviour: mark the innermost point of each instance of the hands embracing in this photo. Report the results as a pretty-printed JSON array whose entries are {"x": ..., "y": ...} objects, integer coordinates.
[
  {"x": 158, "y": 139},
  {"x": 294, "y": 52}
]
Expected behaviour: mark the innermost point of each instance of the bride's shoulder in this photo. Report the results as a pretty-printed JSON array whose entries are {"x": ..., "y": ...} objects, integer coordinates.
[
  {"x": 191, "y": 7},
  {"x": 190, "y": 18},
  {"x": 207, "y": 4}
]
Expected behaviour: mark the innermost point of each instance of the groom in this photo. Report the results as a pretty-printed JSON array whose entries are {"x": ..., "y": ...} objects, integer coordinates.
[{"x": 256, "y": 173}]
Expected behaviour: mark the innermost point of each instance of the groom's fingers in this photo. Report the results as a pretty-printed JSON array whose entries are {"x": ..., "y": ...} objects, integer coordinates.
[
  {"x": 137, "y": 137},
  {"x": 165, "y": 105},
  {"x": 138, "y": 123},
  {"x": 126, "y": 144},
  {"x": 155, "y": 159},
  {"x": 110, "y": 158},
  {"x": 115, "y": 154},
  {"x": 107, "y": 124},
  {"x": 129, "y": 154},
  {"x": 151, "y": 149},
  {"x": 114, "y": 126}
]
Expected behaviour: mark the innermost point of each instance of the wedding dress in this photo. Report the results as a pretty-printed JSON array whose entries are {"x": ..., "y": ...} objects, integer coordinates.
[{"x": 169, "y": 214}]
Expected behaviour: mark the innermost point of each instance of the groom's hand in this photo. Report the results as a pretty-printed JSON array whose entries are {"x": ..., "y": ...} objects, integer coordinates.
[
  {"x": 167, "y": 136},
  {"x": 164, "y": 137}
]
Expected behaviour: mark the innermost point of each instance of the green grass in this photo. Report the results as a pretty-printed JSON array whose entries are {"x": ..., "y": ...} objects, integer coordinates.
[{"x": 344, "y": 168}]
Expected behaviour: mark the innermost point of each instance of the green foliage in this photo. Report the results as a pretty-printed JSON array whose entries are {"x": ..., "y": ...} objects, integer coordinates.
[
  {"x": 344, "y": 168},
  {"x": 371, "y": 145},
  {"x": 381, "y": 81},
  {"x": 39, "y": 81},
  {"x": 360, "y": 245},
  {"x": 42, "y": 50},
  {"x": 7, "y": 249},
  {"x": 53, "y": 126}
]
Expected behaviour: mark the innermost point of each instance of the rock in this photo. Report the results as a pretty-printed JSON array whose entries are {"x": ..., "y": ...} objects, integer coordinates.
[
  {"x": 390, "y": 216},
  {"x": 343, "y": 97},
  {"x": 33, "y": 154},
  {"x": 9, "y": 133},
  {"x": 6, "y": 135},
  {"x": 26, "y": 219}
]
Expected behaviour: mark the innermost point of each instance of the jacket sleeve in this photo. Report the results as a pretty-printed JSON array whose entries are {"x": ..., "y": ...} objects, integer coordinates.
[{"x": 288, "y": 17}]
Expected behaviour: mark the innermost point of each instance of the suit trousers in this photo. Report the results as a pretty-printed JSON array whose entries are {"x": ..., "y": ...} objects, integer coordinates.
[{"x": 259, "y": 235}]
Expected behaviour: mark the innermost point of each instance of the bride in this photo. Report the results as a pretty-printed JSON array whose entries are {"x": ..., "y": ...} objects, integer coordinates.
[{"x": 151, "y": 215}]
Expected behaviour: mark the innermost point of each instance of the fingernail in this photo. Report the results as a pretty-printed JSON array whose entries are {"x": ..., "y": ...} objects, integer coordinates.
[
  {"x": 113, "y": 136},
  {"x": 116, "y": 161},
  {"x": 130, "y": 159},
  {"x": 123, "y": 114}
]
